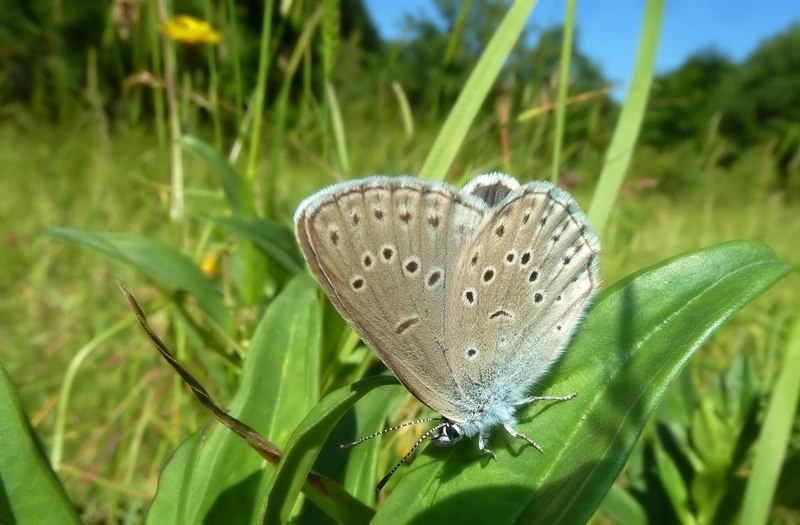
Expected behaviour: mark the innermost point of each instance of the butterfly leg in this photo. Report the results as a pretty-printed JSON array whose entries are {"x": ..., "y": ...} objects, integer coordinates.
[
  {"x": 482, "y": 446},
  {"x": 545, "y": 398},
  {"x": 519, "y": 435}
]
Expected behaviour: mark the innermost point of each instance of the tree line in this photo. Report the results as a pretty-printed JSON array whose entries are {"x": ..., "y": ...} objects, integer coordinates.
[{"x": 51, "y": 49}]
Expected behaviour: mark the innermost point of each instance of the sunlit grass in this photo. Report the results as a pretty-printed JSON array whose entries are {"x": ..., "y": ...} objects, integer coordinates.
[
  {"x": 107, "y": 408},
  {"x": 58, "y": 298}
]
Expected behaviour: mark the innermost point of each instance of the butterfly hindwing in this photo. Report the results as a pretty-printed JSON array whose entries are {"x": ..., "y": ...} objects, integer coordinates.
[{"x": 523, "y": 281}]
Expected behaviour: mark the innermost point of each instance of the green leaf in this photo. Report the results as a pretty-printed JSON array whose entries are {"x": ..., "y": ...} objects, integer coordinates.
[
  {"x": 235, "y": 190},
  {"x": 165, "y": 264},
  {"x": 621, "y": 507},
  {"x": 175, "y": 483},
  {"x": 774, "y": 438},
  {"x": 274, "y": 239},
  {"x": 675, "y": 414},
  {"x": 279, "y": 385},
  {"x": 362, "y": 473},
  {"x": 741, "y": 388},
  {"x": 305, "y": 445},
  {"x": 30, "y": 492},
  {"x": 712, "y": 438},
  {"x": 635, "y": 341},
  {"x": 674, "y": 486}
]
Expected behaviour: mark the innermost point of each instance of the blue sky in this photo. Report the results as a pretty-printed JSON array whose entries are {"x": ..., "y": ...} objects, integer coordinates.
[{"x": 609, "y": 29}]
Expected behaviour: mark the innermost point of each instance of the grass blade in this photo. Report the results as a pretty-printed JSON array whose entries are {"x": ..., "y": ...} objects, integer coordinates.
[
  {"x": 75, "y": 364},
  {"x": 563, "y": 87},
  {"x": 774, "y": 436},
  {"x": 620, "y": 151},
  {"x": 475, "y": 90}
]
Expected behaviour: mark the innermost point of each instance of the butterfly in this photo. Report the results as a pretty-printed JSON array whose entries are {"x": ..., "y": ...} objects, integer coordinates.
[{"x": 469, "y": 296}]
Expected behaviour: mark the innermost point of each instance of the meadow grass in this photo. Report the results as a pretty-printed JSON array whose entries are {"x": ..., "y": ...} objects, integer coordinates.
[
  {"x": 110, "y": 412},
  {"x": 127, "y": 411}
]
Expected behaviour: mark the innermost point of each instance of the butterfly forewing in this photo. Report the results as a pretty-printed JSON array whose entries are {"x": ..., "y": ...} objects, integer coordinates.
[{"x": 386, "y": 253}]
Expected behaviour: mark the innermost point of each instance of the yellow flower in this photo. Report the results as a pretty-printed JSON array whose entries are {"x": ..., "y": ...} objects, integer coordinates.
[
  {"x": 210, "y": 263},
  {"x": 190, "y": 30}
]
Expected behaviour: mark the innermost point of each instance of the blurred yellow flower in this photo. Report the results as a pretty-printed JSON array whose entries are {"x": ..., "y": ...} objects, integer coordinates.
[
  {"x": 210, "y": 263},
  {"x": 189, "y": 30}
]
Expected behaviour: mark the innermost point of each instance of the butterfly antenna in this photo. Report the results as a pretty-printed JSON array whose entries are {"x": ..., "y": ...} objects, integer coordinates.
[
  {"x": 385, "y": 430},
  {"x": 425, "y": 436}
]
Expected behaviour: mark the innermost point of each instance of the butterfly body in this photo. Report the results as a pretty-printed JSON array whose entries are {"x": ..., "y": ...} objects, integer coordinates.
[{"x": 469, "y": 296}]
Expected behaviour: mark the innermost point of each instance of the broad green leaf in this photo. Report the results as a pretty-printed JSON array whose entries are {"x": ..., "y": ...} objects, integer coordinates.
[
  {"x": 165, "y": 264},
  {"x": 362, "y": 472},
  {"x": 305, "y": 445},
  {"x": 30, "y": 492},
  {"x": 175, "y": 483},
  {"x": 279, "y": 385},
  {"x": 636, "y": 340},
  {"x": 274, "y": 239}
]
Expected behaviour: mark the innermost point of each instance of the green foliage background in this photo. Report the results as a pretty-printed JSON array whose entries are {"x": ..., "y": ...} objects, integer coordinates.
[{"x": 90, "y": 158}]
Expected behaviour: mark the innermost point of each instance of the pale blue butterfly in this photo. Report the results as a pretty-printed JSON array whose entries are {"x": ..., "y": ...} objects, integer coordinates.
[{"x": 468, "y": 296}]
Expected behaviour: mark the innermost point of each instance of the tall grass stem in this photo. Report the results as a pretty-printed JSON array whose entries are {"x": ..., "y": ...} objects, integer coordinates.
[{"x": 619, "y": 153}]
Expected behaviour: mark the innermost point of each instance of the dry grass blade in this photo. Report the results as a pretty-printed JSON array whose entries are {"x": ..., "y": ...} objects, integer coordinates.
[{"x": 266, "y": 449}]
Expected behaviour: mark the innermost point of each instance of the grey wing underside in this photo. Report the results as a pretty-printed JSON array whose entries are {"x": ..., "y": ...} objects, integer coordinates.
[
  {"x": 386, "y": 253},
  {"x": 532, "y": 268}
]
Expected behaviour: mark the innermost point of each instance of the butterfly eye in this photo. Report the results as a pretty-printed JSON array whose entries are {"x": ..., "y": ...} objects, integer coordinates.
[{"x": 451, "y": 431}]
